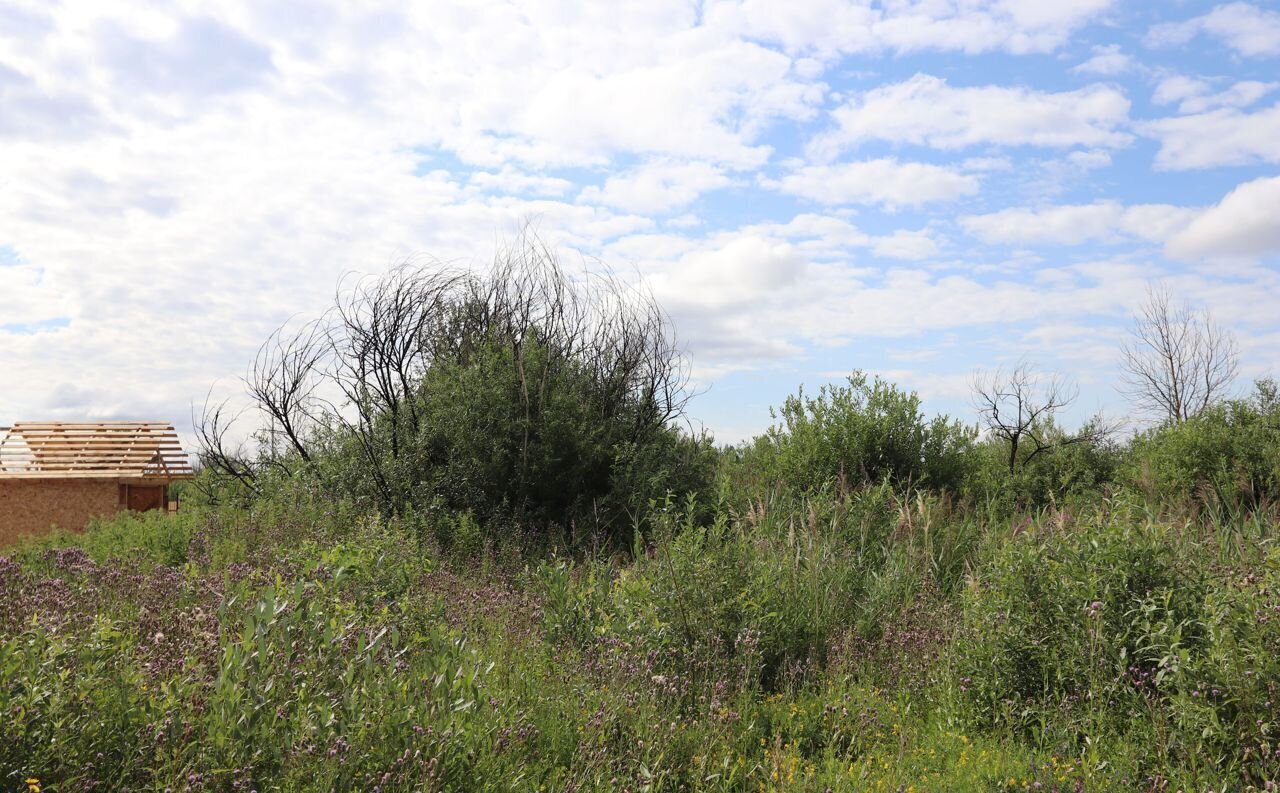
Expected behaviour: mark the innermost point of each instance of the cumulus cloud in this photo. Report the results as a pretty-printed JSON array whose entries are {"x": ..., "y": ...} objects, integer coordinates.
[
  {"x": 178, "y": 180},
  {"x": 1249, "y": 30},
  {"x": 32, "y": 110},
  {"x": 1196, "y": 95},
  {"x": 1106, "y": 60},
  {"x": 657, "y": 188},
  {"x": 202, "y": 57},
  {"x": 1225, "y": 136},
  {"x": 926, "y": 110},
  {"x": 740, "y": 272},
  {"x": 831, "y": 27},
  {"x": 904, "y": 244},
  {"x": 883, "y": 181},
  {"x": 1177, "y": 87},
  {"x": 516, "y": 182},
  {"x": 1241, "y": 94},
  {"x": 1243, "y": 224},
  {"x": 1102, "y": 221}
]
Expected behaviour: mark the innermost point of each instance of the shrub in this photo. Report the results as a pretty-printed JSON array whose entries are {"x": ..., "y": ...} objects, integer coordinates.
[
  {"x": 864, "y": 431},
  {"x": 1069, "y": 469},
  {"x": 1228, "y": 454},
  {"x": 528, "y": 395},
  {"x": 1055, "y": 617}
]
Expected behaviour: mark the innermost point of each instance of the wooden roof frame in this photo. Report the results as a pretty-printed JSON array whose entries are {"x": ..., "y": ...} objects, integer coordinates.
[{"x": 93, "y": 450}]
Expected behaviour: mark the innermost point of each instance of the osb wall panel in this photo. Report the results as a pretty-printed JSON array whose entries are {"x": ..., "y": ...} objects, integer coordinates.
[{"x": 33, "y": 506}]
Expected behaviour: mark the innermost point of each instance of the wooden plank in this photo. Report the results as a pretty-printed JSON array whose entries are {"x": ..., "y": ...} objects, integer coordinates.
[
  {"x": 135, "y": 451},
  {"x": 149, "y": 450},
  {"x": 75, "y": 424},
  {"x": 112, "y": 475}
]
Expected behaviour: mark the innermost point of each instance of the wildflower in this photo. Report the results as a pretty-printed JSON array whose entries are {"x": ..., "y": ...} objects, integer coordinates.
[{"x": 33, "y": 785}]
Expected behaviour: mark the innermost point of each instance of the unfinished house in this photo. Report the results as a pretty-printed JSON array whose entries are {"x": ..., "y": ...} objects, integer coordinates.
[{"x": 64, "y": 473}]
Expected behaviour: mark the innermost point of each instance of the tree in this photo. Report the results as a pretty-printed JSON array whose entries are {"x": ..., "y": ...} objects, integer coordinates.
[
  {"x": 529, "y": 390},
  {"x": 1019, "y": 408},
  {"x": 1179, "y": 361}
]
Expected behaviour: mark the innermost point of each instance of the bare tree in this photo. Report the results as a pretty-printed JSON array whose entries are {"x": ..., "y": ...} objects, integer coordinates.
[
  {"x": 1179, "y": 361},
  {"x": 212, "y": 426},
  {"x": 1019, "y": 406},
  {"x": 282, "y": 381}
]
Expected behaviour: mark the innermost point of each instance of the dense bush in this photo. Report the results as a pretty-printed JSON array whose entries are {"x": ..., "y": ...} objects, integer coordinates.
[
  {"x": 527, "y": 395},
  {"x": 867, "y": 430},
  {"x": 1228, "y": 454},
  {"x": 1070, "y": 468},
  {"x": 500, "y": 565},
  {"x": 867, "y": 640},
  {"x": 1118, "y": 630}
]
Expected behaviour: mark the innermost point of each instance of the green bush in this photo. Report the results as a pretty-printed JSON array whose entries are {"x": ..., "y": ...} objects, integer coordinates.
[
  {"x": 1116, "y": 631},
  {"x": 1227, "y": 455},
  {"x": 1053, "y": 614},
  {"x": 864, "y": 431},
  {"x": 1070, "y": 469},
  {"x": 527, "y": 396}
]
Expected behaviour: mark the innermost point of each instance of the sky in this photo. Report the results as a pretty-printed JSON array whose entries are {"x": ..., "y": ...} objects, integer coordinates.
[{"x": 917, "y": 188}]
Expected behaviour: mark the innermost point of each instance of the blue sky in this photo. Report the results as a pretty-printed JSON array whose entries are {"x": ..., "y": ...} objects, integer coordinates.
[{"x": 917, "y": 188}]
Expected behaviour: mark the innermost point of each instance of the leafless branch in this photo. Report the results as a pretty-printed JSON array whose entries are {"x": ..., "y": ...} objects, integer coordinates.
[
  {"x": 1018, "y": 406},
  {"x": 282, "y": 380},
  {"x": 212, "y": 426},
  {"x": 1179, "y": 361}
]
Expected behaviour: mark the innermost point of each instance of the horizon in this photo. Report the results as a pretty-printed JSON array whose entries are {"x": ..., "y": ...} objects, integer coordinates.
[{"x": 916, "y": 190}]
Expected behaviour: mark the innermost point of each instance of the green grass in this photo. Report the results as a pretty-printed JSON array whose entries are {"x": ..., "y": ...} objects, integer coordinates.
[{"x": 877, "y": 642}]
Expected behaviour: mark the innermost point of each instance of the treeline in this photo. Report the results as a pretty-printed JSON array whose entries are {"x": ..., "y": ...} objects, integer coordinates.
[
  {"x": 1226, "y": 455},
  {"x": 534, "y": 401}
]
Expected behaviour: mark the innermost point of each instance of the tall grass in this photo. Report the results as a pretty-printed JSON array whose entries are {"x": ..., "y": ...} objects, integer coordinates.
[{"x": 844, "y": 639}]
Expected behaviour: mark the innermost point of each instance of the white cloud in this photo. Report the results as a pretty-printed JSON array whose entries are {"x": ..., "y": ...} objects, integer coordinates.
[
  {"x": 168, "y": 217},
  {"x": 882, "y": 181},
  {"x": 657, "y": 188},
  {"x": 1102, "y": 221},
  {"x": 1196, "y": 95},
  {"x": 1090, "y": 160},
  {"x": 925, "y": 110},
  {"x": 31, "y": 298},
  {"x": 741, "y": 272},
  {"x": 1177, "y": 87},
  {"x": 903, "y": 244},
  {"x": 830, "y": 27},
  {"x": 1020, "y": 26},
  {"x": 512, "y": 181},
  {"x": 685, "y": 221},
  {"x": 1241, "y": 94},
  {"x": 1107, "y": 61},
  {"x": 1243, "y": 224},
  {"x": 1249, "y": 30},
  {"x": 1219, "y": 137}
]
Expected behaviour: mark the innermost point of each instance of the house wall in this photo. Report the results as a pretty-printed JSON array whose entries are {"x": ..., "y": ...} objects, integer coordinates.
[{"x": 33, "y": 506}]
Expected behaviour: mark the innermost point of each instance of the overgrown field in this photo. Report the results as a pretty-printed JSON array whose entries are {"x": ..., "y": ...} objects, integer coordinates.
[
  {"x": 498, "y": 563},
  {"x": 872, "y": 640}
]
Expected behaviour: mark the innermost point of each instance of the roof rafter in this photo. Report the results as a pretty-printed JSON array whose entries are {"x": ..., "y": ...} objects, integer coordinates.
[{"x": 88, "y": 449}]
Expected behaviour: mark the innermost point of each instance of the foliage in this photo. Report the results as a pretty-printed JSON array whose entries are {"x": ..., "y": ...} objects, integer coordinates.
[
  {"x": 870, "y": 639},
  {"x": 1226, "y": 455},
  {"x": 529, "y": 395},
  {"x": 1074, "y": 467},
  {"x": 1120, "y": 628},
  {"x": 865, "y": 431},
  {"x": 861, "y": 600}
]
